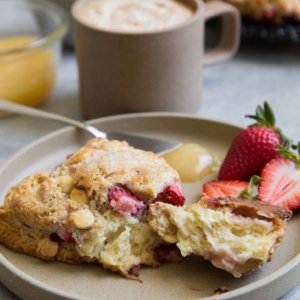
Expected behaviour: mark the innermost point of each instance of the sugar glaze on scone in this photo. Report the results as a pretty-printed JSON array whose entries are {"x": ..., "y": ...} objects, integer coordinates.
[
  {"x": 92, "y": 208},
  {"x": 234, "y": 234}
]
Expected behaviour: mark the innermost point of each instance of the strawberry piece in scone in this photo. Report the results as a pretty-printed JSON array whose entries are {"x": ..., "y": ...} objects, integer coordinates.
[
  {"x": 172, "y": 194},
  {"x": 123, "y": 202}
]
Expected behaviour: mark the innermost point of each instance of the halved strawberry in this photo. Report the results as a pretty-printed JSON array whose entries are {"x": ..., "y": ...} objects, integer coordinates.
[
  {"x": 233, "y": 188},
  {"x": 225, "y": 188},
  {"x": 281, "y": 185}
]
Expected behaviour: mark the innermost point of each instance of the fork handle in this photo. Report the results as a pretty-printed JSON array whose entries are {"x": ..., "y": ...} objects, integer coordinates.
[{"x": 33, "y": 112}]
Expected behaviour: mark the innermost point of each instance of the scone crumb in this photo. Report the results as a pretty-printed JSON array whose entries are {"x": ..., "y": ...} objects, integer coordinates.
[
  {"x": 220, "y": 291},
  {"x": 47, "y": 248},
  {"x": 82, "y": 219}
]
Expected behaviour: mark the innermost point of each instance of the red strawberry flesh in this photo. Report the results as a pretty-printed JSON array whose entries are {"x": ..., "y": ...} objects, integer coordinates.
[
  {"x": 249, "y": 152},
  {"x": 282, "y": 183},
  {"x": 172, "y": 194},
  {"x": 167, "y": 253},
  {"x": 219, "y": 189},
  {"x": 134, "y": 270},
  {"x": 123, "y": 202},
  {"x": 54, "y": 237},
  {"x": 66, "y": 236}
]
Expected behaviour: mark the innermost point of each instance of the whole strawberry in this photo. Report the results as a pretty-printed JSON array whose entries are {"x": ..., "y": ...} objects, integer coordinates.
[{"x": 254, "y": 147}]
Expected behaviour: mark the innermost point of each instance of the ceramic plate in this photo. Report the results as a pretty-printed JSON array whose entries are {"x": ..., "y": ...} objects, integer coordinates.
[{"x": 193, "y": 278}]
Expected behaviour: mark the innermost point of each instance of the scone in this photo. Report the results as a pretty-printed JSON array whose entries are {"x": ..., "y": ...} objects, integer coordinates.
[
  {"x": 234, "y": 234},
  {"x": 273, "y": 11},
  {"x": 92, "y": 208}
]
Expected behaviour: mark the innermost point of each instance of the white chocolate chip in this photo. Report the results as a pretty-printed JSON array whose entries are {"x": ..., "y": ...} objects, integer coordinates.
[
  {"x": 80, "y": 196},
  {"x": 66, "y": 183},
  {"x": 47, "y": 248},
  {"x": 82, "y": 219},
  {"x": 170, "y": 238}
]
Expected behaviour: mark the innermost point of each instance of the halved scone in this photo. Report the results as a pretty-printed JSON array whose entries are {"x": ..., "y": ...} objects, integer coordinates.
[
  {"x": 92, "y": 208},
  {"x": 234, "y": 234}
]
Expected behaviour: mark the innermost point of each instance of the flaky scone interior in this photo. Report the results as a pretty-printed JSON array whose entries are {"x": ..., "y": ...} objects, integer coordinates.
[
  {"x": 236, "y": 235},
  {"x": 92, "y": 208}
]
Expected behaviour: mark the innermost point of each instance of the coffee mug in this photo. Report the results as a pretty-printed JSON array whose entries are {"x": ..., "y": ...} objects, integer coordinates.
[{"x": 158, "y": 70}]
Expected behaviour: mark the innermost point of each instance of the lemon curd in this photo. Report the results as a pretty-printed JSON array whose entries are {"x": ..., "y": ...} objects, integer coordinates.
[
  {"x": 28, "y": 76},
  {"x": 192, "y": 162}
]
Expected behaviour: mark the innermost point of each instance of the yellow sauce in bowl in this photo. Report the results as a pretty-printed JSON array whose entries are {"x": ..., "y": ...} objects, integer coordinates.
[
  {"x": 192, "y": 162},
  {"x": 26, "y": 77}
]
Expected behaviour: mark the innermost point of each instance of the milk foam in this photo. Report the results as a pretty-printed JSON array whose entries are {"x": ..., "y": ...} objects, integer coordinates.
[{"x": 136, "y": 15}]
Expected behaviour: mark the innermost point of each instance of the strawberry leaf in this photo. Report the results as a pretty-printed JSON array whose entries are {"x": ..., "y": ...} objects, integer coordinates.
[
  {"x": 260, "y": 112},
  {"x": 260, "y": 121},
  {"x": 288, "y": 154},
  {"x": 265, "y": 117},
  {"x": 269, "y": 114}
]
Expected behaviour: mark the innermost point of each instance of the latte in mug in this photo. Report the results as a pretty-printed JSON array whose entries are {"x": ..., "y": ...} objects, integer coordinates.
[{"x": 136, "y": 15}]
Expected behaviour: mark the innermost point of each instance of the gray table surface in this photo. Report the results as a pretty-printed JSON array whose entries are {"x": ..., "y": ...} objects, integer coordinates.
[{"x": 231, "y": 90}]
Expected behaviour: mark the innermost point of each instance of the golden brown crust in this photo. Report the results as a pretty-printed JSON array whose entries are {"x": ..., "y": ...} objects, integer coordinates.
[
  {"x": 251, "y": 209},
  {"x": 20, "y": 238}
]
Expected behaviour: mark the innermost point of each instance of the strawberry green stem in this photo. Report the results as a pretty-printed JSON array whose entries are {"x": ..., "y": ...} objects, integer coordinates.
[
  {"x": 290, "y": 155},
  {"x": 250, "y": 192},
  {"x": 265, "y": 117}
]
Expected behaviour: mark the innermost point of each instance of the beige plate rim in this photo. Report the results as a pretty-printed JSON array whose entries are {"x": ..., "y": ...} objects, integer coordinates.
[{"x": 9, "y": 268}]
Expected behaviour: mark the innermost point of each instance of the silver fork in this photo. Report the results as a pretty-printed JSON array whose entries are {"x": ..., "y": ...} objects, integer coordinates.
[{"x": 145, "y": 143}]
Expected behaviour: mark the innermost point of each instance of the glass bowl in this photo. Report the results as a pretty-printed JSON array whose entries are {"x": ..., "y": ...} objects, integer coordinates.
[
  {"x": 66, "y": 5},
  {"x": 31, "y": 32}
]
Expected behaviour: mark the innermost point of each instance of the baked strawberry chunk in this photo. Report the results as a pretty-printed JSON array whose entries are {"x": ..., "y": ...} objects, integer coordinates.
[
  {"x": 167, "y": 253},
  {"x": 54, "y": 237},
  {"x": 172, "y": 194},
  {"x": 123, "y": 202},
  {"x": 65, "y": 235}
]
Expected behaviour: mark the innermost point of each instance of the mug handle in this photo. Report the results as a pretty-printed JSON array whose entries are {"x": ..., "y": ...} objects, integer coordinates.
[{"x": 231, "y": 30}]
